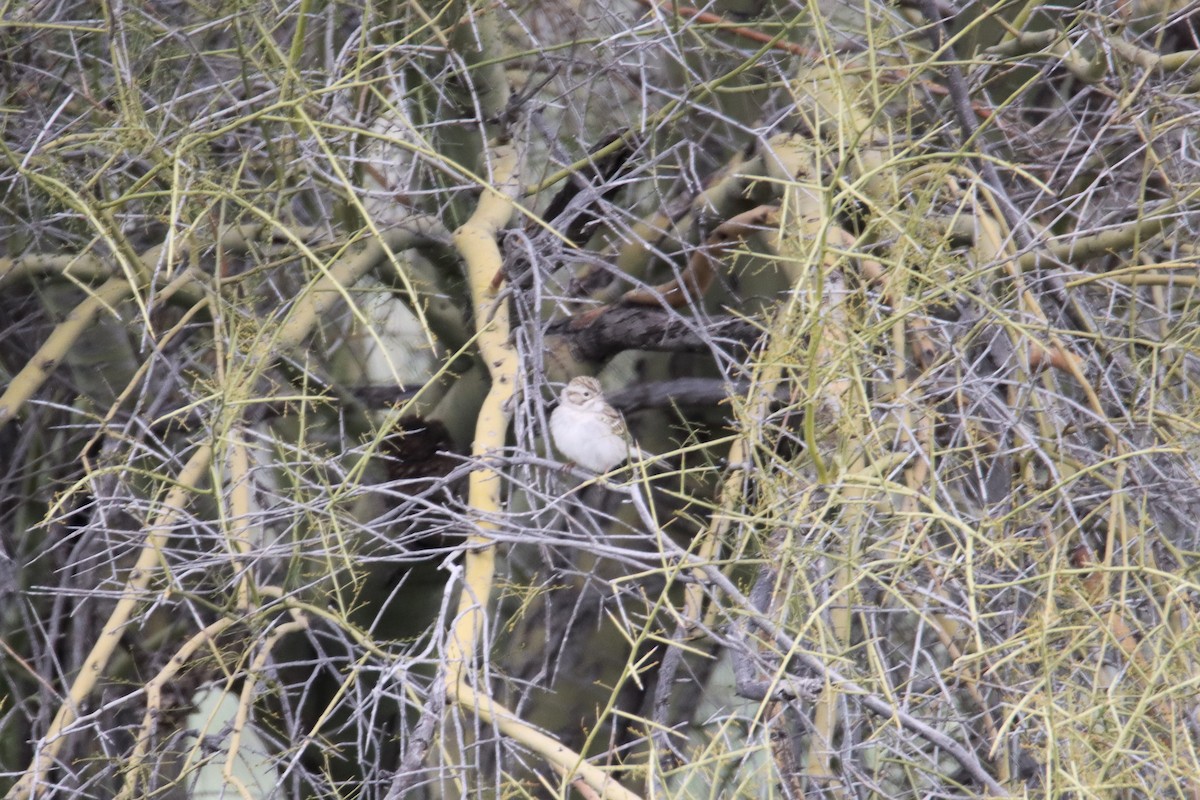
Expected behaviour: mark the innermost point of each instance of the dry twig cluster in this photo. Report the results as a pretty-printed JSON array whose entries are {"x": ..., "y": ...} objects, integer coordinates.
[{"x": 904, "y": 295}]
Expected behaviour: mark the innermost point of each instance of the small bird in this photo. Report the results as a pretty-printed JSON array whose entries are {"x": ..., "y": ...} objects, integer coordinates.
[{"x": 590, "y": 432}]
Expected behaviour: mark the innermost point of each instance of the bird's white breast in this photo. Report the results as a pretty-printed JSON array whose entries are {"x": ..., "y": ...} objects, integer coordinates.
[{"x": 586, "y": 438}]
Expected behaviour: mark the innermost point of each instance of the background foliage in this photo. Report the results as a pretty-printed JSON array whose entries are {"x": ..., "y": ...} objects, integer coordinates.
[{"x": 905, "y": 294}]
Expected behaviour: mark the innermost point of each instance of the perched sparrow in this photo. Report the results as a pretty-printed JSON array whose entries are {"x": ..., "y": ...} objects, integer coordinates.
[{"x": 588, "y": 431}]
